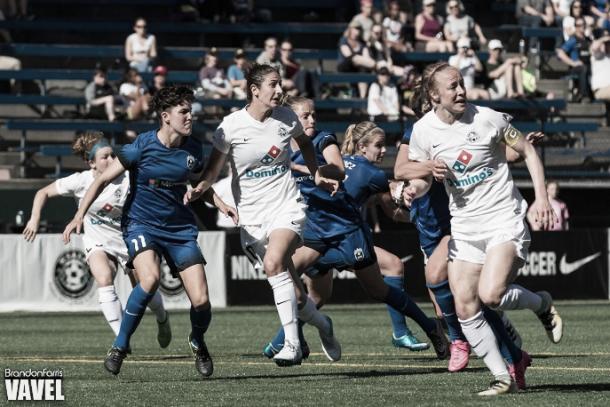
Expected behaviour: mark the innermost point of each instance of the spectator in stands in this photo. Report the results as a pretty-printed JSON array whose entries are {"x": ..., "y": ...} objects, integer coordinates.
[
  {"x": 16, "y": 9},
  {"x": 468, "y": 63},
  {"x": 562, "y": 215},
  {"x": 534, "y": 13},
  {"x": 354, "y": 55},
  {"x": 364, "y": 19},
  {"x": 393, "y": 25},
  {"x": 140, "y": 47},
  {"x": 212, "y": 78},
  {"x": 159, "y": 80},
  {"x": 381, "y": 53},
  {"x": 292, "y": 71},
  {"x": 383, "y": 98},
  {"x": 270, "y": 56},
  {"x": 99, "y": 95},
  {"x": 600, "y": 68},
  {"x": 236, "y": 74},
  {"x": 574, "y": 53},
  {"x": 459, "y": 25},
  {"x": 598, "y": 8},
  {"x": 429, "y": 30},
  {"x": 11, "y": 64},
  {"x": 504, "y": 75},
  {"x": 561, "y": 8},
  {"x": 604, "y": 23},
  {"x": 135, "y": 94},
  {"x": 577, "y": 10}
]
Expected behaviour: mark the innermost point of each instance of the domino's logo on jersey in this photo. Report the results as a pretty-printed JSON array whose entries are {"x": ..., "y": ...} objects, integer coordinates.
[
  {"x": 272, "y": 154},
  {"x": 462, "y": 161}
]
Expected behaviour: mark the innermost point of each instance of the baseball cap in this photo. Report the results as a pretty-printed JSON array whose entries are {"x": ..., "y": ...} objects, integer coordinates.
[
  {"x": 495, "y": 44},
  {"x": 239, "y": 53},
  {"x": 160, "y": 70},
  {"x": 463, "y": 42}
]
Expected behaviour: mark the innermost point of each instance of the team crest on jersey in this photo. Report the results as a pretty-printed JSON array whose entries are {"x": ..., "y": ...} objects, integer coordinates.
[
  {"x": 472, "y": 137},
  {"x": 190, "y": 162},
  {"x": 272, "y": 154},
  {"x": 462, "y": 161},
  {"x": 349, "y": 165},
  {"x": 282, "y": 131},
  {"x": 359, "y": 254}
]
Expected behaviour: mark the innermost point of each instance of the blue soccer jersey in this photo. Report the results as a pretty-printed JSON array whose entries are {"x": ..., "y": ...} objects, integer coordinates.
[
  {"x": 363, "y": 179},
  {"x": 430, "y": 213},
  {"x": 326, "y": 215},
  {"x": 158, "y": 182}
]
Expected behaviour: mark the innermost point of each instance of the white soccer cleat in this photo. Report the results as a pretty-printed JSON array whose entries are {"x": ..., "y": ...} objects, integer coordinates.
[
  {"x": 330, "y": 344},
  {"x": 290, "y": 355},
  {"x": 498, "y": 387},
  {"x": 550, "y": 318}
]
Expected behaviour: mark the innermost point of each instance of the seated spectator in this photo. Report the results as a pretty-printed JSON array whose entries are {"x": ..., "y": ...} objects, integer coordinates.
[
  {"x": 213, "y": 81},
  {"x": 505, "y": 75},
  {"x": 383, "y": 97},
  {"x": 99, "y": 95},
  {"x": 598, "y": 8},
  {"x": 292, "y": 70},
  {"x": 574, "y": 53},
  {"x": 561, "y": 8},
  {"x": 236, "y": 75},
  {"x": 559, "y": 207},
  {"x": 576, "y": 11},
  {"x": 270, "y": 56},
  {"x": 393, "y": 26},
  {"x": 140, "y": 47},
  {"x": 534, "y": 13},
  {"x": 429, "y": 30},
  {"x": 604, "y": 23},
  {"x": 469, "y": 64},
  {"x": 381, "y": 53},
  {"x": 364, "y": 19},
  {"x": 11, "y": 64},
  {"x": 159, "y": 80},
  {"x": 135, "y": 94},
  {"x": 600, "y": 68},
  {"x": 354, "y": 55},
  {"x": 459, "y": 25}
]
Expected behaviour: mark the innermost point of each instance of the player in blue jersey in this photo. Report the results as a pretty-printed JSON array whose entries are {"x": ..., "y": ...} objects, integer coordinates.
[
  {"x": 157, "y": 222},
  {"x": 345, "y": 217}
]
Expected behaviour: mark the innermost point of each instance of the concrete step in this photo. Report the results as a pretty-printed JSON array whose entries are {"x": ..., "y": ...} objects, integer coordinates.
[{"x": 34, "y": 136}]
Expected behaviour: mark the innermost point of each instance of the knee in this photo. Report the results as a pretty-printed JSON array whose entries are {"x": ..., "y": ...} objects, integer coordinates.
[
  {"x": 436, "y": 273},
  {"x": 394, "y": 268},
  {"x": 490, "y": 297},
  {"x": 273, "y": 265},
  {"x": 201, "y": 303}
]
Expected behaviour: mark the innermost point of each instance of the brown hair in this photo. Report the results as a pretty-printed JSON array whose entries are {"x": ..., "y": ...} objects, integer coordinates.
[
  {"x": 360, "y": 133},
  {"x": 85, "y": 142},
  {"x": 420, "y": 102},
  {"x": 256, "y": 76}
]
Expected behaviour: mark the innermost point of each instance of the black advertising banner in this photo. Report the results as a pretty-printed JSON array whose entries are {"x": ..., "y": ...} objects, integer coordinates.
[{"x": 570, "y": 265}]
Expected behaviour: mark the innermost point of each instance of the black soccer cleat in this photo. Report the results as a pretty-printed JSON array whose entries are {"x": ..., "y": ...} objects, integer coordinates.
[
  {"x": 203, "y": 360},
  {"x": 114, "y": 360}
]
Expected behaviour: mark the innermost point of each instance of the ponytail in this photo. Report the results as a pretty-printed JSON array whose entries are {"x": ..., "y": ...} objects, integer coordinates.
[
  {"x": 358, "y": 134},
  {"x": 349, "y": 147}
]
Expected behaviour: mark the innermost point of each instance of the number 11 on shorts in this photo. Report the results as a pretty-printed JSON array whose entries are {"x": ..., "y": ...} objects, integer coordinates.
[{"x": 135, "y": 242}]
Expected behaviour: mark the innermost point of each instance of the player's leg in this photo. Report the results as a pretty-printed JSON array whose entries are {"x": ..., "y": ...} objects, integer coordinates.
[
  {"x": 103, "y": 271},
  {"x": 392, "y": 270}
]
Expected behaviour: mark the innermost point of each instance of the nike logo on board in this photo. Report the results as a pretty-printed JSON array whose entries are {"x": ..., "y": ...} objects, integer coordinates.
[{"x": 566, "y": 267}]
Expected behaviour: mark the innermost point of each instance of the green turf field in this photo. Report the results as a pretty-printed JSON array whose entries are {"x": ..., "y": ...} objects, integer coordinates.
[{"x": 371, "y": 373}]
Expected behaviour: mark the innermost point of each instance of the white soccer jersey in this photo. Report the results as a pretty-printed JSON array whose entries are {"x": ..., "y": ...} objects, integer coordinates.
[
  {"x": 102, "y": 222},
  {"x": 482, "y": 195},
  {"x": 258, "y": 152}
]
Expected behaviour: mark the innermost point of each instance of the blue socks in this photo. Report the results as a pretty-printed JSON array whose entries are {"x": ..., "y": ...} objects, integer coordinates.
[
  {"x": 399, "y": 325},
  {"x": 399, "y": 300},
  {"x": 444, "y": 299},
  {"x": 200, "y": 321},
  {"x": 134, "y": 310},
  {"x": 278, "y": 340},
  {"x": 510, "y": 352}
]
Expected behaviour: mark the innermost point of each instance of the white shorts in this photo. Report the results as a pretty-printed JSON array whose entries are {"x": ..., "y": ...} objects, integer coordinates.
[
  {"x": 255, "y": 238},
  {"x": 474, "y": 250},
  {"x": 114, "y": 247}
]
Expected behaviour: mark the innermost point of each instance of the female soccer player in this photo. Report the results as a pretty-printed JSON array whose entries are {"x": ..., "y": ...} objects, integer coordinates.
[
  {"x": 271, "y": 209},
  {"x": 156, "y": 222},
  {"x": 104, "y": 246},
  {"x": 489, "y": 239}
]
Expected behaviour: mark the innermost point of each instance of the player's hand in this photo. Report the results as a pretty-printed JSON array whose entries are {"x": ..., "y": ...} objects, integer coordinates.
[
  {"x": 534, "y": 137},
  {"x": 31, "y": 228},
  {"x": 75, "y": 225},
  {"x": 230, "y": 212},
  {"x": 331, "y": 185},
  {"x": 194, "y": 194},
  {"x": 408, "y": 195},
  {"x": 439, "y": 170},
  {"x": 544, "y": 214}
]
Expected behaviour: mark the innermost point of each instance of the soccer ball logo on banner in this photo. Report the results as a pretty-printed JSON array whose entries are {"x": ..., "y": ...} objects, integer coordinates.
[{"x": 72, "y": 276}]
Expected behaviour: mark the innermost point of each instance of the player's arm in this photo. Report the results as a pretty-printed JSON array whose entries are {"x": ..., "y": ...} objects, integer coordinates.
[
  {"x": 114, "y": 170},
  {"x": 207, "y": 177},
  {"x": 408, "y": 170},
  {"x": 543, "y": 212},
  {"x": 321, "y": 179},
  {"x": 31, "y": 228},
  {"x": 212, "y": 197},
  {"x": 533, "y": 137},
  {"x": 398, "y": 213}
]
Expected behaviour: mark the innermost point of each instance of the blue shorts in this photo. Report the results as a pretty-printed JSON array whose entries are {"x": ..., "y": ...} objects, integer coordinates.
[
  {"x": 354, "y": 250},
  {"x": 179, "y": 253},
  {"x": 428, "y": 242}
]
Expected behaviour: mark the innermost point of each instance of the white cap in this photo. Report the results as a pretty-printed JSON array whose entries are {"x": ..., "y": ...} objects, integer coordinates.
[
  {"x": 426, "y": 2},
  {"x": 495, "y": 44},
  {"x": 463, "y": 42}
]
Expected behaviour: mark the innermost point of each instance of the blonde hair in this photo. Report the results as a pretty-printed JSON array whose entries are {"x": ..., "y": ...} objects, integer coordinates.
[
  {"x": 360, "y": 133},
  {"x": 293, "y": 101},
  {"x": 85, "y": 142}
]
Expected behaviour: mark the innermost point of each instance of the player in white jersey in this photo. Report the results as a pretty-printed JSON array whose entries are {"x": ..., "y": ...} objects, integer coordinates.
[
  {"x": 270, "y": 207},
  {"x": 104, "y": 246},
  {"x": 489, "y": 239}
]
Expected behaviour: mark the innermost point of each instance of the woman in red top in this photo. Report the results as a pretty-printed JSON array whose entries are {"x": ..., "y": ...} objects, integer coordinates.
[{"x": 429, "y": 30}]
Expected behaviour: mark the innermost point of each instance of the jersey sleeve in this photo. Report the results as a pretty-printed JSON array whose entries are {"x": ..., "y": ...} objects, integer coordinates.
[
  {"x": 221, "y": 140},
  {"x": 500, "y": 122},
  {"x": 129, "y": 155},
  {"x": 68, "y": 186},
  {"x": 406, "y": 136},
  {"x": 326, "y": 140},
  {"x": 379, "y": 182},
  {"x": 418, "y": 148}
]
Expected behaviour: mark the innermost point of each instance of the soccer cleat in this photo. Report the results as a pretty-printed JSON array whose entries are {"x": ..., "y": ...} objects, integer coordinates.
[
  {"x": 512, "y": 331},
  {"x": 203, "y": 360},
  {"x": 517, "y": 371},
  {"x": 290, "y": 355},
  {"x": 330, "y": 344},
  {"x": 270, "y": 350},
  {"x": 164, "y": 332},
  {"x": 499, "y": 387},
  {"x": 114, "y": 360},
  {"x": 460, "y": 355},
  {"x": 439, "y": 340},
  {"x": 550, "y": 318},
  {"x": 409, "y": 341}
]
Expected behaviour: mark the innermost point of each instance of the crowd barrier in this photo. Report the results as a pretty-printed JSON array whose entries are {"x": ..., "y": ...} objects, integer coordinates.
[{"x": 49, "y": 276}]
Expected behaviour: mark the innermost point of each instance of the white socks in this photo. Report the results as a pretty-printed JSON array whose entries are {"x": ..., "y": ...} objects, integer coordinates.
[
  {"x": 310, "y": 314},
  {"x": 156, "y": 306},
  {"x": 111, "y": 307},
  {"x": 286, "y": 303},
  {"x": 517, "y": 297},
  {"x": 480, "y": 336}
]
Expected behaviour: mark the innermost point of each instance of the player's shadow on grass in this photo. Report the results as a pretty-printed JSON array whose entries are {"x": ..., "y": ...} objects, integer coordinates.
[{"x": 569, "y": 388}]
